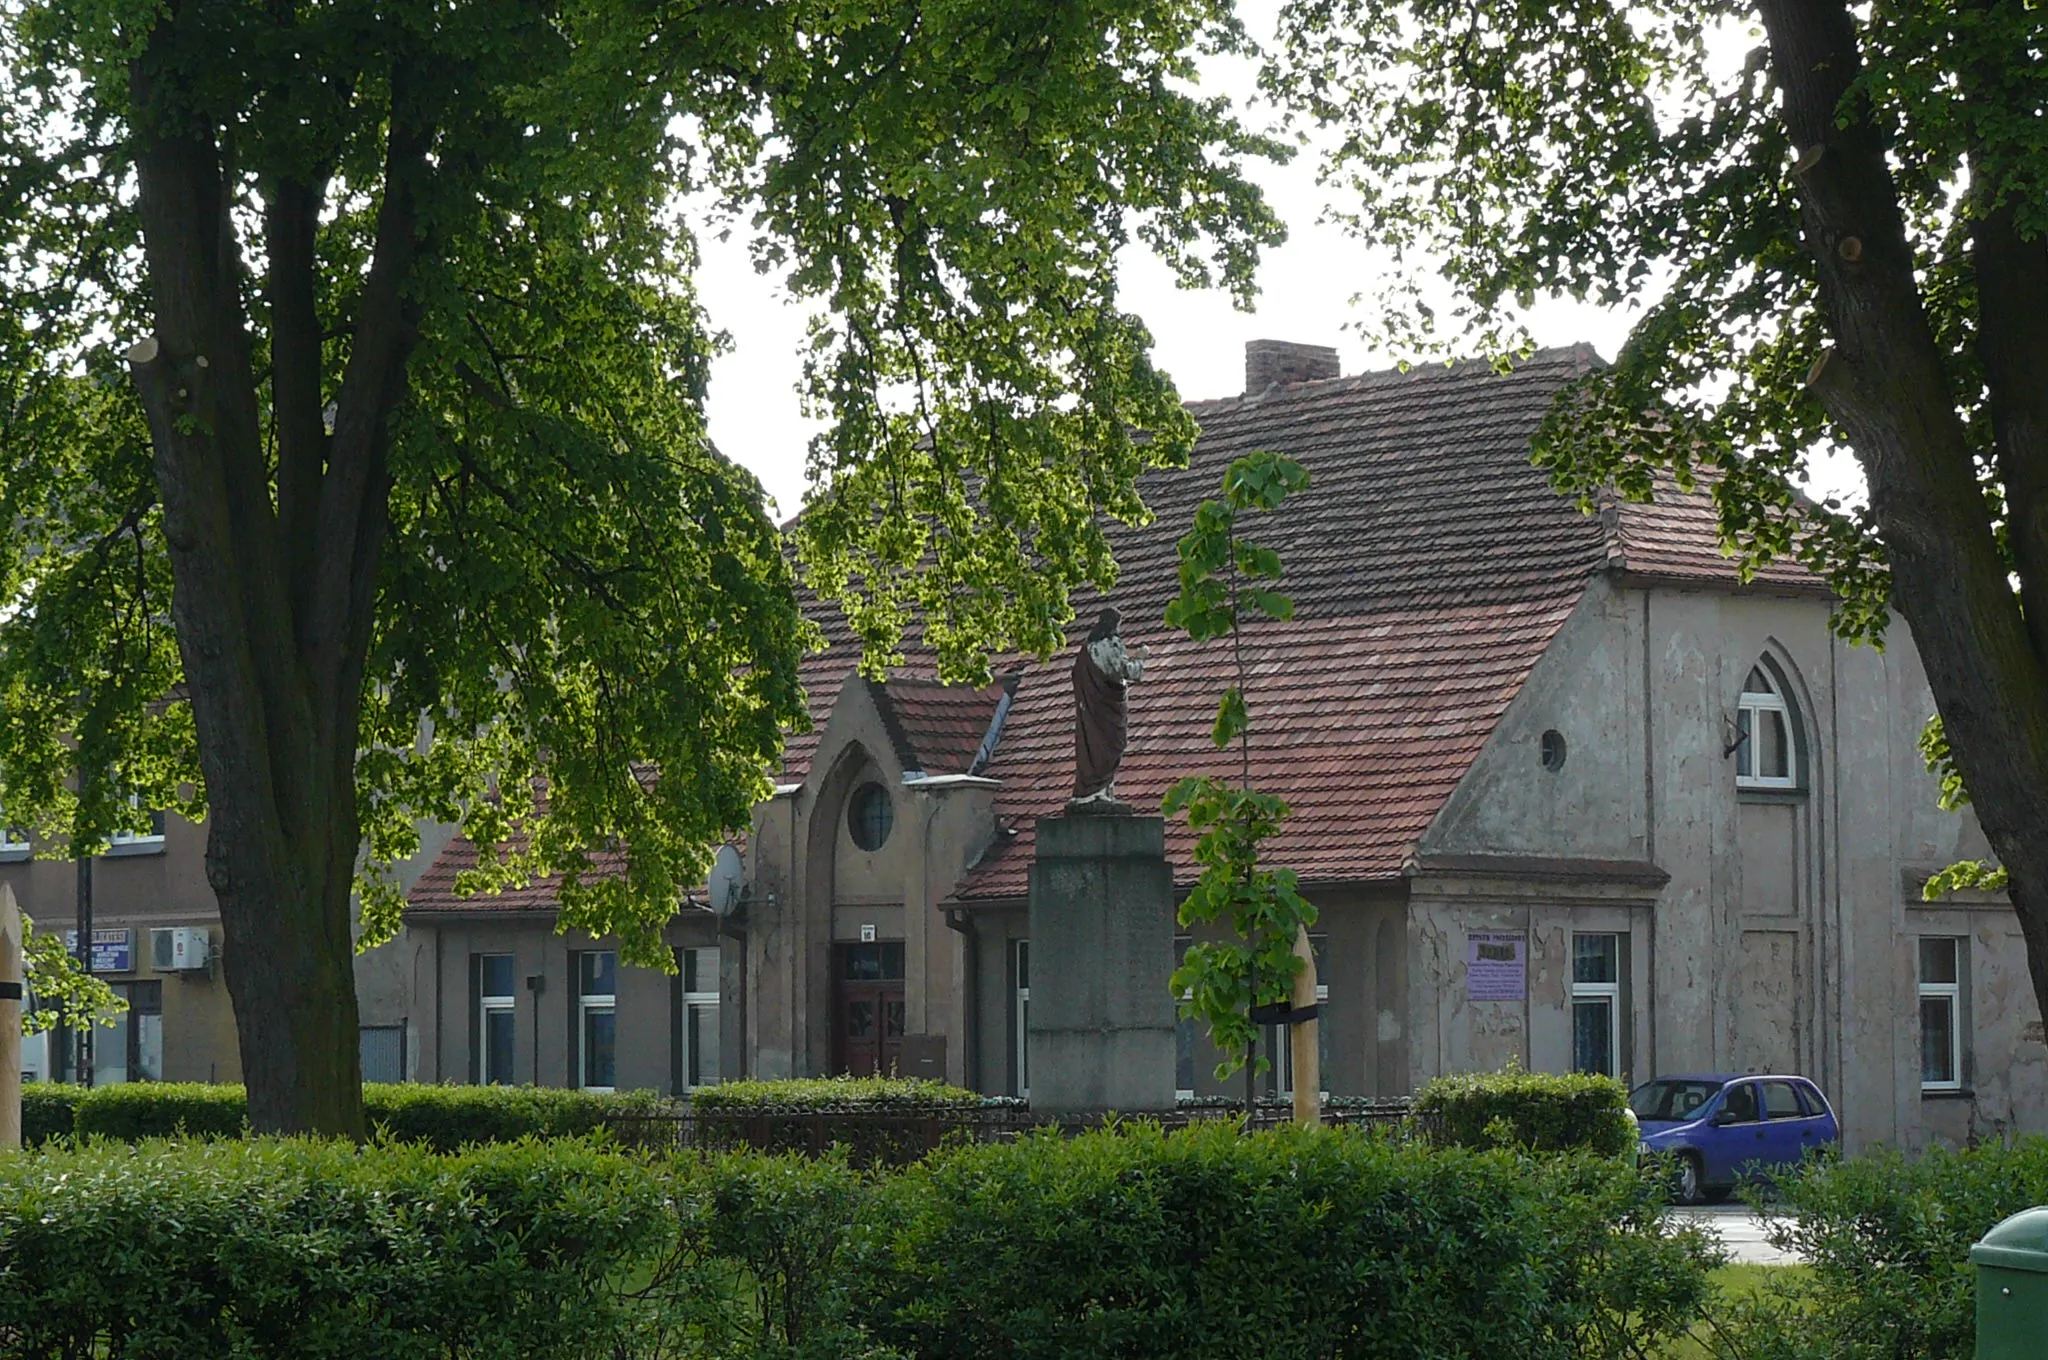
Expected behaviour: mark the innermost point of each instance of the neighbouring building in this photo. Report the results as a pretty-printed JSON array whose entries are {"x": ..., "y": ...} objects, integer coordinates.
[
  {"x": 1566, "y": 791},
  {"x": 157, "y": 942}
]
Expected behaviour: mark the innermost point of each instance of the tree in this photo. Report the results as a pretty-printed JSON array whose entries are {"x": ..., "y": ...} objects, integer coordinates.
[
  {"x": 1222, "y": 982},
  {"x": 1842, "y": 240},
  {"x": 64, "y": 993},
  {"x": 354, "y": 436}
]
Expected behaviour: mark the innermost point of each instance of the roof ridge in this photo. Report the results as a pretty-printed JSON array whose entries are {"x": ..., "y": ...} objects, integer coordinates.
[{"x": 1580, "y": 352}]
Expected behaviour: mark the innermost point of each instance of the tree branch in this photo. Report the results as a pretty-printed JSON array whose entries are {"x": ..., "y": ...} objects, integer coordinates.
[{"x": 2012, "y": 344}]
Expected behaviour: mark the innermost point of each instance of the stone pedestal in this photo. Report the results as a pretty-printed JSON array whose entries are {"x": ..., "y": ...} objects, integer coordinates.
[{"x": 1101, "y": 1030}]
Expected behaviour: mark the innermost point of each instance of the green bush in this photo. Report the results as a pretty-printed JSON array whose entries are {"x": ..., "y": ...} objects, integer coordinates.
[
  {"x": 876, "y": 1121},
  {"x": 1889, "y": 1240},
  {"x": 448, "y": 1117},
  {"x": 1533, "y": 1111},
  {"x": 162, "y": 1109},
  {"x": 265, "y": 1248},
  {"x": 821, "y": 1093},
  {"x": 442, "y": 1117},
  {"x": 48, "y": 1109},
  {"x": 1302, "y": 1242}
]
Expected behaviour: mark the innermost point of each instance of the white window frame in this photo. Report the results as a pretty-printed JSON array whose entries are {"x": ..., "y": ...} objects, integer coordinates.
[
  {"x": 11, "y": 848},
  {"x": 488, "y": 1004},
  {"x": 1950, "y": 993},
  {"x": 1610, "y": 992},
  {"x": 694, "y": 1003},
  {"x": 151, "y": 837},
  {"x": 587, "y": 1005},
  {"x": 1020, "y": 1012},
  {"x": 1750, "y": 706}
]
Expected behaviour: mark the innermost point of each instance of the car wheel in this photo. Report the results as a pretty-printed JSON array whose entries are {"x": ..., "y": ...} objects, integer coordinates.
[{"x": 1688, "y": 1188}]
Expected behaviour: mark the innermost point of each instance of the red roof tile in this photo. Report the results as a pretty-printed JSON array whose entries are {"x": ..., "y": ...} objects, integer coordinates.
[
  {"x": 938, "y": 729},
  {"x": 1430, "y": 564}
]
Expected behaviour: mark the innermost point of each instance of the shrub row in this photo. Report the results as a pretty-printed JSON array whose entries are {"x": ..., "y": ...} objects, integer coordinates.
[
  {"x": 1889, "y": 1240},
  {"x": 824, "y": 1093},
  {"x": 268, "y": 1249},
  {"x": 443, "y": 1117},
  {"x": 1533, "y": 1111},
  {"x": 1130, "y": 1242}
]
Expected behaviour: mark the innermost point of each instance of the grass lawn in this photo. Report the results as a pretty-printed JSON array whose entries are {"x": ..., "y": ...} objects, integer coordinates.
[{"x": 1730, "y": 1283}]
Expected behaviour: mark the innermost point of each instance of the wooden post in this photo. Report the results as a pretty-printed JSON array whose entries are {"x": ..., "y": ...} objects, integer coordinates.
[
  {"x": 12, "y": 998},
  {"x": 1307, "y": 1052}
]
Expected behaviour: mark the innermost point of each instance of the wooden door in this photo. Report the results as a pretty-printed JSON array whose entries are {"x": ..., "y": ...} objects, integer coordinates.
[{"x": 867, "y": 1008}]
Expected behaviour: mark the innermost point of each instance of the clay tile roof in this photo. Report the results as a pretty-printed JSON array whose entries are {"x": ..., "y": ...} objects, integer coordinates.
[
  {"x": 939, "y": 729},
  {"x": 1677, "y": 537},
  {"x": 1430, "y": 564}
]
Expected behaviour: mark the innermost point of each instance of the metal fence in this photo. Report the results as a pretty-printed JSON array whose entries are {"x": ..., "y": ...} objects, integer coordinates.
[{"x": 901, "y": 1133}]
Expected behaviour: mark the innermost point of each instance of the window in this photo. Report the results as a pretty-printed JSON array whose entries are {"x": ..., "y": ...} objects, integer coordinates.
[
  {"x": 1020, "y": 1013},
  {"x": 1781, "y": 1101},
  {"x": 1941, "y": 1014},
  {"x": 872, "y": 962},
  {"x": 1763, "y": 738},
  {"x": 870, "y": 816},
  {"x": 1183, "y": 1032},
  {"x": 137, "y": 840},
  {"x": 699, "y": 1017},
  {"x": 597, "y": 1019},
  {"x": 1740, "y": 1104},
  {"x": 1596, "y": 1004},
  {"x": 381, "y": 1049},
  {"x": 14, "y": 842},
  {"x": 496, "y": 1029},
  {"x": 128, "y": 1048},
  {"x": 1278, "y": 1041}
]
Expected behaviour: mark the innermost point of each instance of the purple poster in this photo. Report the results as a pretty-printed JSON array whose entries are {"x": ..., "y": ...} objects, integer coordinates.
[{"x": 1496, "y": 966}]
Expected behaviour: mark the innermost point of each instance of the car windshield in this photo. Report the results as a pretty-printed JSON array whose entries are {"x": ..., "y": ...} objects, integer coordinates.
[{"x": 1671, "y": 1099}]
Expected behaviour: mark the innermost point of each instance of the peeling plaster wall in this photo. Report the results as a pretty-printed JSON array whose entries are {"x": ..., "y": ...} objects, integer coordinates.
[{"x": 1787, "y": 932}]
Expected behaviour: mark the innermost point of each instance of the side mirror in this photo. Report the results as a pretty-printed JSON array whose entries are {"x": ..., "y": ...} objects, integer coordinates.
[{"x": 1723, "y": 1116}]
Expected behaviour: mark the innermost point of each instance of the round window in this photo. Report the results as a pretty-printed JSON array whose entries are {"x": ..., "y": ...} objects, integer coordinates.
[
  {"x": 870, "y": 816},
  {"x": 1553, "y": 750}
]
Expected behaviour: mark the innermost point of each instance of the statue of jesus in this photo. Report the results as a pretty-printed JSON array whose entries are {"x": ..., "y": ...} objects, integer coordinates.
[{"x": 1103, "y": 670}]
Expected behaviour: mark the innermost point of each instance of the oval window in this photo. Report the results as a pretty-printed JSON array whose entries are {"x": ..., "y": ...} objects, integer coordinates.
[
  {"x": 1553, "y": 750},
  {"x": 870, "y": 816}
]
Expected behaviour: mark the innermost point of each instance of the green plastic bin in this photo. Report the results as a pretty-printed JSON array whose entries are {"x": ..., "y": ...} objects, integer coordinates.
[{"x": 2012, "y": 1288}]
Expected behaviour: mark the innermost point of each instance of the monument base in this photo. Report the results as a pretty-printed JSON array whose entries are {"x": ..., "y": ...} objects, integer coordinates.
[{"x": 1101, "y": 1029}]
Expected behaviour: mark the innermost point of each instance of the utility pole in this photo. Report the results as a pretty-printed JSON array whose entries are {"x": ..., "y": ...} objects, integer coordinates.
[{"x": 83, "y": 1038}]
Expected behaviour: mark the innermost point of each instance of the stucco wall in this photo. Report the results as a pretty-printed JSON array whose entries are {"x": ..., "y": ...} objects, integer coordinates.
[
  {"x": 814, "y": 887},
  {"x": 1787, "y": 933}
]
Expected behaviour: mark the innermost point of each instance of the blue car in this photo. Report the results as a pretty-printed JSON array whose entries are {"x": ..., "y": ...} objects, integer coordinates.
[{"x": 1724, "y": 1128}]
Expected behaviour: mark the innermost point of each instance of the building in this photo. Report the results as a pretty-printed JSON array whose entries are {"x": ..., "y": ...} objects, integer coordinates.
[
  {"x": 1565, "y": 791},
  {"x": 157, "y": 942}
]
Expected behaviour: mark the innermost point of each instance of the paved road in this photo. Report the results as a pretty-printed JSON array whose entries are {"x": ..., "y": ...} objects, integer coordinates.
[{"x": 1740, "y": 1231}]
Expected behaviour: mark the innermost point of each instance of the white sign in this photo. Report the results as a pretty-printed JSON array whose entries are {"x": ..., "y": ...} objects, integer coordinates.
[{"x": 867, "y": 932}]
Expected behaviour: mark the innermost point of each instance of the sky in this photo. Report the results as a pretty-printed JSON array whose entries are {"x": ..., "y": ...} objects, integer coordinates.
[{"x": 1305, "y": 291}]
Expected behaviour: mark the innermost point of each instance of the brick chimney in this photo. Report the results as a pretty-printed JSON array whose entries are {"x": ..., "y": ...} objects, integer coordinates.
[{"x": 1282, "y": 361}]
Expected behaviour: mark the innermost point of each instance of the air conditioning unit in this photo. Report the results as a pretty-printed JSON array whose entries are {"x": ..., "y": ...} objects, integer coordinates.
[{"x": 179, "y": 949}]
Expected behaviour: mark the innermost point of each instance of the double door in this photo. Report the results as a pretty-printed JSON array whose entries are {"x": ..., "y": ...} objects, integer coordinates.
[{"x": 867, "y": 1008}]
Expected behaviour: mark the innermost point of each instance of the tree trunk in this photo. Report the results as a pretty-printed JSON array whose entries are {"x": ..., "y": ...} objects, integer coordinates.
[
  {"x": 1885, "y": 384},
  {"x": 273, "y": 601}
]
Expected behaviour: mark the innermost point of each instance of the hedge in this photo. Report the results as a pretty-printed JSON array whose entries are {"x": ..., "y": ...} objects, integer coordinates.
[
  {"x": 1888, "y": 1238},
  {"x": 443, "y": 1117},
  {"x": 1123, "y": 1242},
  {"x": 1200, "y": 1243},
  {"x": 309, "y": 1249},
  {"x": 824, "y": 1093},
  {"x": 1533, "y": 1111},
  {"x": 47, "y": 1110}
]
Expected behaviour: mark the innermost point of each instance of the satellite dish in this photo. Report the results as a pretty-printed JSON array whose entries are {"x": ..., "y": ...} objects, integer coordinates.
[{"x": 723, "y": 887}]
